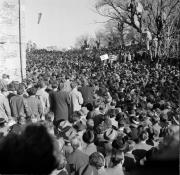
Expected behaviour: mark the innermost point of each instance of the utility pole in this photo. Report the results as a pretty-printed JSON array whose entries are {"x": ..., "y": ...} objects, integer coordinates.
[
  {"x": 20, "y": 40},
  {"x": 178, "y": 50}
]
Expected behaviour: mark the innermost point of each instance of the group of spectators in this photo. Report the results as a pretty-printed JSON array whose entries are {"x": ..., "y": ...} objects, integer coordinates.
[{"x": 75, "y": 115}]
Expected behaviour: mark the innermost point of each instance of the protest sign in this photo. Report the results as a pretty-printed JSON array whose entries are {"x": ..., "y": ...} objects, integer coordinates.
[
  {"x": 104, "y": 57},
  {"x": 113, "y": 57}
]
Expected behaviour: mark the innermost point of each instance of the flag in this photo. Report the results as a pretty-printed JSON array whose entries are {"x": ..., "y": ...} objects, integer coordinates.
[{"x": 39, "y": 17}]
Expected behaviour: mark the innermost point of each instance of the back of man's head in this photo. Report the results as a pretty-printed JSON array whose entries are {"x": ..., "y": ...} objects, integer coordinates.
[
  {"x": 143, "y": 136},
  {"x": 31, "y": 152},
  {"x": 75, "y": 143},
  {"x": 73, "y": 85},
  {"x": 61, "y": 86},
  {"x": 42, "y": 84},
  {"x": 97, "y": 160}
]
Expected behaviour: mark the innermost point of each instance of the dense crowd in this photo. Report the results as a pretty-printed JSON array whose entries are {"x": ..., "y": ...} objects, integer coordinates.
[{"x": 75, "y": 114}]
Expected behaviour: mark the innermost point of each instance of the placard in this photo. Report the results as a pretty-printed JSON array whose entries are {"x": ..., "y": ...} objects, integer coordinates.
[{"x": 104, "y": 57}]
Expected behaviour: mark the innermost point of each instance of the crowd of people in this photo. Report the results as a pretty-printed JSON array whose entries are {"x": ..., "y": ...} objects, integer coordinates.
[{"x": 75, "y": 114}]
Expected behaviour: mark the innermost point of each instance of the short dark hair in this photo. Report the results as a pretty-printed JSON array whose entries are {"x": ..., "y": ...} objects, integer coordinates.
[
  {"x": 117, "y": 158},
  {"x": 61, "y": 86},
  {"x": 143, "y": 135},
  {"x": 89, "y": 106},
  {"x": 31, "y": 152},
  {"x": 96, "y": 103},
  {"x": 54, "y": 85},
  {"x": 20, "y": 90},
  {"x": 96, "y": 159},
  {"x": 130, "y": 145},
  {"x": 32, "y": 91},
  {"x": 88, "y": 137},
  {"x": 42, "y": 84}
]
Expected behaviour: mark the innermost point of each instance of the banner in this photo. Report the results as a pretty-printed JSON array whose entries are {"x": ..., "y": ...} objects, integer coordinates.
[
  {"x": 104, "y": 57},
  {"x": 113, "y": 57}
]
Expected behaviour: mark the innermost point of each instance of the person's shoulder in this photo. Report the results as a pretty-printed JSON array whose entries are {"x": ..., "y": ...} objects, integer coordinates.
[
  {"x": 52, "y": 93},
  {"x": 142, "y": 146},
  {"x": 87, "y": 169},
  {"x": 64, "y": 93},
  {"x": 81, "y": 156},
  {"x": 2, "y": 97},
  {"x": 14, "y": 97},
  {"x": 129, "y": 155}
]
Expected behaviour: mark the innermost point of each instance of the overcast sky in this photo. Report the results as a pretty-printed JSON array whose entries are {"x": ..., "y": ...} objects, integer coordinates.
[{"x": 62, "y": 21}]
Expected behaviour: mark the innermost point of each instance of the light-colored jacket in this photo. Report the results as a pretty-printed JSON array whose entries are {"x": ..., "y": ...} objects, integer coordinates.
[
  {"x": 76, "y": 100},
  {"x": 67, "y": 86},
  {"x": 5, "y": 110},
  {"x": 44, "y": 97}
]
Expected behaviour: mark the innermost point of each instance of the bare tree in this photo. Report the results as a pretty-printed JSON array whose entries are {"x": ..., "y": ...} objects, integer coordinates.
[
  {"x": 158, "y": 16},
  {"x": 82, "y": 41},
  {"x": 122, "y": 11},
  {"x": 112, "y": 35}
]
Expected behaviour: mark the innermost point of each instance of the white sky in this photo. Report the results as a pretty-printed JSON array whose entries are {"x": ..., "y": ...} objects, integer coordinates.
[{"x": 62, "y": 21}]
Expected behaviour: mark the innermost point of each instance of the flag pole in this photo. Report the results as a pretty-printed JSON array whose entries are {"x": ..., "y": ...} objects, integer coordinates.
[{"x": 20, "y": 40}]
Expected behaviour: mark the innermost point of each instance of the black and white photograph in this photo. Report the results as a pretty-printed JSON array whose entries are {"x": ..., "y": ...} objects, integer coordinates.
[{"x": 89, "y": 87}]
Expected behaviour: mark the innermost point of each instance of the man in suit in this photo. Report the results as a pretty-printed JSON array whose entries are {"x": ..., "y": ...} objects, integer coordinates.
[
  {"x": 77, "y": 159},
  {"x": 87, "y": 92},
  {"x": 60, "y": 104},
  {"x": 19, "y": 105},
  {"x": 34, "y": 104},
  {"x": 141, "y": 148},
  {"x": 129, "y": 159},
  {"x": 44, "y": 97}
]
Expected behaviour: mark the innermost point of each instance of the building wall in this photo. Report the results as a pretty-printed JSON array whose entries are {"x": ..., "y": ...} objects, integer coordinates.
[{"x": 9, "y": 39}]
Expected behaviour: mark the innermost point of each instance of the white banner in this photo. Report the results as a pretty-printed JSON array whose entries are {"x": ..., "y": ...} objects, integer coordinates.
[
  {"x": 113, "y": 57},
  {"x": 104, "y": 57}
]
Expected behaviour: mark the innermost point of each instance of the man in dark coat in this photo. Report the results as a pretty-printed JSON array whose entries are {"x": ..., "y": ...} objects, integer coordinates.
[
  {"x": 19, "y": 106},
  {"x": 59, "y": 104},
  {"x": 87, "y": 93}
]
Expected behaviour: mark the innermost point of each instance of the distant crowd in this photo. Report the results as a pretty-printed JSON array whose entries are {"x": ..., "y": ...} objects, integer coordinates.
[{"x": 77, "y": 115}]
